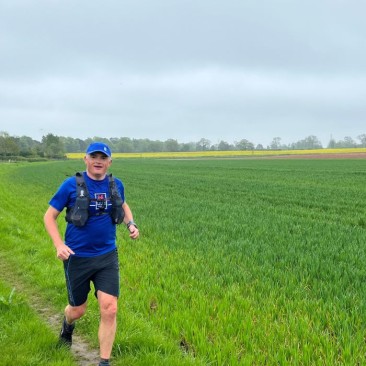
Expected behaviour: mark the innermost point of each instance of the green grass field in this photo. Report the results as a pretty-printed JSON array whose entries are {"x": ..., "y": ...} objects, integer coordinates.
[{"x": 240, "y": 262}]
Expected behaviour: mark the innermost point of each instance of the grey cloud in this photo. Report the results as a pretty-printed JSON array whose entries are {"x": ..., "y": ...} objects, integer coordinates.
[{"x": 183, "y": 69}]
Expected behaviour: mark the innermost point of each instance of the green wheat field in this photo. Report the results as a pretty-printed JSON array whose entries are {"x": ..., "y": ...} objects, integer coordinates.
[{"x": 240, "y": 262}]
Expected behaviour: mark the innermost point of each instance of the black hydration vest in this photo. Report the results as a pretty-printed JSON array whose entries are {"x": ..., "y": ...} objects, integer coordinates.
[{"x": 79, "y": 213}]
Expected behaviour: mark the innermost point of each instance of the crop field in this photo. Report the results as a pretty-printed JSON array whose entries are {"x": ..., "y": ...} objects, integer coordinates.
[
  {"x": 230, "y": 154},
  {"x": 240, "y": 261}
]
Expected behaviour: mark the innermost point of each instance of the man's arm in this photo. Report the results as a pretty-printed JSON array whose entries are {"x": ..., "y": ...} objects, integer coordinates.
[
  {"x": 50, "y": 222},
  {"x": 128, "y": 220}
]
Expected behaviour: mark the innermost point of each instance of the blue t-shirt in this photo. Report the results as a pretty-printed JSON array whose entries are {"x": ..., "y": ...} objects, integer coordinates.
[{"x": 98, "y": 236}]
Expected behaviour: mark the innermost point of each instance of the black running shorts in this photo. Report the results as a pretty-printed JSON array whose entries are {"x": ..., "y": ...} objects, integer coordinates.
[{"x": 102, "y": 271}]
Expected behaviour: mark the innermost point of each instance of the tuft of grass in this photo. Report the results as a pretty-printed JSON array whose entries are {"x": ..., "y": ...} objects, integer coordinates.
[{"x": 6, "y": 301}]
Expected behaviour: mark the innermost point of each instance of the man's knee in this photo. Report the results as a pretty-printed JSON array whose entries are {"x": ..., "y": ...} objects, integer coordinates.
[
  {"x": 75, "y": 312},
  {"x": 107, "y": 304}
]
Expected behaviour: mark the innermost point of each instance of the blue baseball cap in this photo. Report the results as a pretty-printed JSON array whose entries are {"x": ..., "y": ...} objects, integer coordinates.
[{"x": 99, "y": 147}]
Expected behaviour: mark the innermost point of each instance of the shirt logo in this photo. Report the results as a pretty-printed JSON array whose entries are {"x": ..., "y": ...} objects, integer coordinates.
[{"x": 100, "y": 201}]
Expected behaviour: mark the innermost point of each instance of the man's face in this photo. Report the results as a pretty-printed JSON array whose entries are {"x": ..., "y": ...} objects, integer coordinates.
[{"x": 97, "y": 165}]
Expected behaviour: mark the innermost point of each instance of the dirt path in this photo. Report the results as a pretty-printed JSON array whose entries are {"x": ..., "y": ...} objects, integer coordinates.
[
  {"x": 84, "y": 354},
  {"x": 321, "y": 156},
  {"x": 80, "y": 348}
]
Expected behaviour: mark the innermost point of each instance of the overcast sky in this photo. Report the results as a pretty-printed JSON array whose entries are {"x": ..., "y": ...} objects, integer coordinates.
[{"x": 184, "y": 69}]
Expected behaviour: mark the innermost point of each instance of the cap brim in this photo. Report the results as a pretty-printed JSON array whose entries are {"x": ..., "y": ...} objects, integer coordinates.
[{"x": 99, "y": 151}]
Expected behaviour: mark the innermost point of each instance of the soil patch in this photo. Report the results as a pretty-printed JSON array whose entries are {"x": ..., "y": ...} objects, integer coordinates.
[{"x": 321, "y": 156}]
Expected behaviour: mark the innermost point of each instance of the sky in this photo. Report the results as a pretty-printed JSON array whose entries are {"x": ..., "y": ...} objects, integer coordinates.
[{"x": 184, "y": 69}]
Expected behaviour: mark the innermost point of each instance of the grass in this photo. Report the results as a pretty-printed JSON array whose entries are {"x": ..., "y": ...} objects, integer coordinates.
[
  {"x": 25, "y": 338},
  {"x": 240, "y": 262}
]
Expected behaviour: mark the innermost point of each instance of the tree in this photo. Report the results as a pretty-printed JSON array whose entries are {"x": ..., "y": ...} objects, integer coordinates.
[
  {"x": 276, "y": 143},
  {"x": 244, "y": 144},
  {"x": 27, "y": 146},
  {"x": 71, "y": 145},
  {"x": 52, "y": 146},
  {"x": 171, "y": 145},
  {"x": 140, "y": 145},
  {"x": 124, "y": 145},
  {"x": 203, "y": 145},
  {"x": 362, "y": 138},
  {"x": 187, "y": 146},
  {"x": 223, "y": 146},
  {"x": 156, "y": 146},
  {"x": 8, "y": 145},
  {"x": 310, "y": 142},
  {"x": 347, "y": 142}
]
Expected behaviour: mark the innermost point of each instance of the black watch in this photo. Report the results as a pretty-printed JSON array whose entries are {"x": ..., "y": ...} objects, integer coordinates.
[{"x": 131, "y": 223}]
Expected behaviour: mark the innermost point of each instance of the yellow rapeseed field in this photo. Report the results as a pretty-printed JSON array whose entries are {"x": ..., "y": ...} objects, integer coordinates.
[{"x": 226, "y": 154}]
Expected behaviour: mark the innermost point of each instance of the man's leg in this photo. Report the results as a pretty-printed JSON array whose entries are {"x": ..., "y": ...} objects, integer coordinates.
[
  {"x": 108, "y": 323},
  {"x": 72, "y": 313}
]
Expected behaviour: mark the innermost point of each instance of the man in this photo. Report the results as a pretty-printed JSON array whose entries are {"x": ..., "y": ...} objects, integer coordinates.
[{"x": 95, "y": 203}]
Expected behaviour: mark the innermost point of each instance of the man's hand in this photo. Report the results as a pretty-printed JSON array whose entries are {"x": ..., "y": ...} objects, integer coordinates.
[
  {"x": 134, "y": 231},
  {"x": 63, "y": 252}
]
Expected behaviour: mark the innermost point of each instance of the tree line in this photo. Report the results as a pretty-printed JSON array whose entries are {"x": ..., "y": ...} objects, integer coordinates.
[{"x": 55, "y": 147}]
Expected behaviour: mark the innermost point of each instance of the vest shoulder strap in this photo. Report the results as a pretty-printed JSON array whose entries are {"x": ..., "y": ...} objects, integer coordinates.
[
  {"x": 112, "y": 186},
  {"x": 82, "y": 189}
]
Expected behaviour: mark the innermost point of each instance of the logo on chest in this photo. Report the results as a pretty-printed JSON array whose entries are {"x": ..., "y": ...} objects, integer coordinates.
[{"x": 101, "y": 202}]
